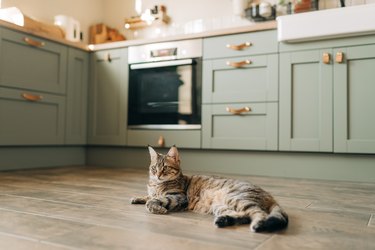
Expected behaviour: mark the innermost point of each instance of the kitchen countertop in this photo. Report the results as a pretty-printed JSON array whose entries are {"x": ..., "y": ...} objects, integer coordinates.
[
  {"x": 235, "y": 30},
  {"x": 243, "y": 29},
  {"x": 12, "y": 26}
]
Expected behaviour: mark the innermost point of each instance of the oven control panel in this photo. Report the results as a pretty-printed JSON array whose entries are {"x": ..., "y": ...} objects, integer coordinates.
[{"x": 165, "y": 51}]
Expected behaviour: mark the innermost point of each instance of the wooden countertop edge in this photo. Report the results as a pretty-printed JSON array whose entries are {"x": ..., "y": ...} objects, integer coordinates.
[
  {"x": 77, "y": 45},
  {"x": 82, "y": 46}
]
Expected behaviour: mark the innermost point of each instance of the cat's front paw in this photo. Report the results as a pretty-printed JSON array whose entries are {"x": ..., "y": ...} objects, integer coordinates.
[
  {"x": 138, "y": 200},
  {"x": 154, "y": 206}
]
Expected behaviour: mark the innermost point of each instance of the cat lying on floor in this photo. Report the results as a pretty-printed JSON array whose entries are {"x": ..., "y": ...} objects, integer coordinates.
[{"x": 230, "y": 201}]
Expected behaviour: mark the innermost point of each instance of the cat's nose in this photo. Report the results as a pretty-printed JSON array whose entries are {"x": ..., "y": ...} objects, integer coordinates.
[{"x": 159, "y": 174}]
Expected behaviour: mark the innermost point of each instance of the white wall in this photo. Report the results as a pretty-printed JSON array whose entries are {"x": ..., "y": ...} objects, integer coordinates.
[
  {"x": 184, "y": 14},
  {"x": 87, "y": 12}
]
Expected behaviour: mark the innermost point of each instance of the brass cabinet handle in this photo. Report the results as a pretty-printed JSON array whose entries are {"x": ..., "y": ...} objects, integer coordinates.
[
  {"x": 238, "y": 64},
  {"x": 161, "y": 141},
  {"x": 238, "y": 111},
  {"x": 31, "y": 97},
  {"x": 239, "y": 46},
  {"x": 108, "y": 57},
  {"x": 326, "y": 58},
  {"x": 339, "y": 57},
  {"x": 33, "y": 43}
]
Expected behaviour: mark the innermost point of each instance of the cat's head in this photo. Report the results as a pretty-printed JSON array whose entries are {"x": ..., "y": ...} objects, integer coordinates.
[{"x": 164, "y": 167}]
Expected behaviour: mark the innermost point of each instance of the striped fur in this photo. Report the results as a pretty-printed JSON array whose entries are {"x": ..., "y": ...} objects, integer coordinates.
[{"x": 230, "y": 201}]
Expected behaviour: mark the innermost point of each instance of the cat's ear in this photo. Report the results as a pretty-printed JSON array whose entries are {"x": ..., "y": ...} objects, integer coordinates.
[
  {"x": 153, "y": 154},
  {"x": 173, "y": 153}
]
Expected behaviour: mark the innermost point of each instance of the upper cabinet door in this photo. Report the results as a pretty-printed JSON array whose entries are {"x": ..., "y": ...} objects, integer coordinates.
[
  {"x": 108, "y": 97},
  {"x": 32, "y": 63},
  {"x": 306, "y": 101},
  {"x": 354, "y": 99}
]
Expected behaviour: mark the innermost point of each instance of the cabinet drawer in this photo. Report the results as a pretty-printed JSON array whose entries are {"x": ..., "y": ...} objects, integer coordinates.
[
  {"x": 25, "y": 122},
  {"x": 256, "y": 129},
  {"x": 255, "y": 81},
  {"x": 240, "y": 44},
  {"x": 32, "y": 63},
  {"x": 180, "y": 138}
]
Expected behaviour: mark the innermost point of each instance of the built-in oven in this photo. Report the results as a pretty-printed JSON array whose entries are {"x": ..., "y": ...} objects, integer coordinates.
[{"x": 165, "y": 85}]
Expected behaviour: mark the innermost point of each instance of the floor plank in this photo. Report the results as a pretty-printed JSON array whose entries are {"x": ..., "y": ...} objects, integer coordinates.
[{"x": 88, "y": 208}]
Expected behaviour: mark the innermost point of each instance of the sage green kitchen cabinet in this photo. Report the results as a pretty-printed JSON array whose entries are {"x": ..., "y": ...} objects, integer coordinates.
[
  {"x": 243, "y": 44},
  {"x": 240, "y": 92},
  {"x": 164, "y": 138},
  {"x": 33, "y": 63},
  {"x": 31, "y": 118},
  {"x": 326, "y": 96},
  {"x": 241, "y": 79},
  {"x": 254, "y": 128},
  {"x": 354, "y": 99},
  {"x": 108, "y": 95},
  {"x": 306, "y": 101},
  {"x": 77, "y": 88},
  {"x": 33, "y": 75}
]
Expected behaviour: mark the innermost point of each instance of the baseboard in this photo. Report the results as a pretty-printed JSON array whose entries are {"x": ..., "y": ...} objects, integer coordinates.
[
  {"x": 324, "y": 166},
  {"x": 36, "y": 157}
]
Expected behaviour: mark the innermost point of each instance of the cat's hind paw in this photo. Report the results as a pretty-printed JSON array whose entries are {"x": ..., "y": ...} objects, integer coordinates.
[{"x": 224, "y": 221}]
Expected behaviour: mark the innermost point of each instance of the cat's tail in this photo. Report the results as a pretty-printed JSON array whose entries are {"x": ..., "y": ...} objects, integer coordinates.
[{"x": 276, "y": 220}]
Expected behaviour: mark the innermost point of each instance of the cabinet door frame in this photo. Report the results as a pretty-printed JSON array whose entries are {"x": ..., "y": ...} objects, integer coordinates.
[
  {"x": 269, "y": 93},
  {"x": 324, "y": 141},
  {"x": 118, "y": 102},
  {"x": 343, "y": 143},
  {"x": 47, "y": 47},
  {"x": 37, "y": 136},
  {"x": 269, "y": 142},
  {"x": 77, "y": 91}
]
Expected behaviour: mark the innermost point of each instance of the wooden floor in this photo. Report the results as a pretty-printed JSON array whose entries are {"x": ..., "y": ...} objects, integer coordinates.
[{"x": 88, "y": 208}]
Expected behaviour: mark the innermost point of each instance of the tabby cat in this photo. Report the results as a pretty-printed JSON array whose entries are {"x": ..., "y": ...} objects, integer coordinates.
[{"x": 230, "y": 201}]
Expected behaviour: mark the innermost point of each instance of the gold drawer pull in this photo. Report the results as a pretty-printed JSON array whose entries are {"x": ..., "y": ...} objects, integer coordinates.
[
  {"x": 339, "y": 57},
  {"x": 238, "y": 111},
  {"x": 239, "y": 46},
  {"x": 161, "y": 141},
  {"x": 33, "y": 43},
  {"x": 32, "y": 98},
  {"x": 326, "y": 58},
  {"x": 238, "y": 64}
]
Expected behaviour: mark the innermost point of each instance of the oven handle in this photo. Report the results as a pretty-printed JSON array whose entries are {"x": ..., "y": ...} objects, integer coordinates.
[{"x": 161, "y": 64}]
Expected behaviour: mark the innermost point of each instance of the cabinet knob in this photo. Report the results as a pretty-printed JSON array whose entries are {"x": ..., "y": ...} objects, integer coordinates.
[
  {"x": 108, "y": 57},
  {"x": 31, "y": 97},
  {"x": 339, "y": 57},
  {"x": 161, "y": 141},
  {"x": 238, "y": 111},
  {"x": 238, "y": 64},
  {"x": 326, "y": 58},
  {"x": 239, "y": 46}
]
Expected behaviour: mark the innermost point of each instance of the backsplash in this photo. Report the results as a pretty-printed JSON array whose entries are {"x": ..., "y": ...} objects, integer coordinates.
[{"x": 197, "y": 16}]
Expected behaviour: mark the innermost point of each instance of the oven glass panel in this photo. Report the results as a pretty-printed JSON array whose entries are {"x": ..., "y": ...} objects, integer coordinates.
[{"x": 164, "y": 95}]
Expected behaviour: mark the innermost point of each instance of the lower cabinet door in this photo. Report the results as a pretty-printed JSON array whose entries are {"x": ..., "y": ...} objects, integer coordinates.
[
  {"x": 31, "y": 118},
  {"x": 240, "y": 126},
  {"x": 165, "y": 138},
  {"x": 354, "y": 102}
]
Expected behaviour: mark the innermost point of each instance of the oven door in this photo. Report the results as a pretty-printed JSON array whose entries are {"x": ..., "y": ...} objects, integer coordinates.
[{"x": 165, "y": 95}]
